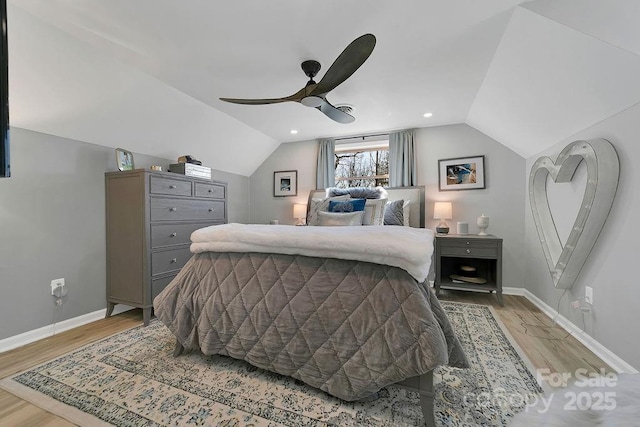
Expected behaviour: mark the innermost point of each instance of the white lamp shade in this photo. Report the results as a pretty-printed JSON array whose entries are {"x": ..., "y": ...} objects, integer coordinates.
[
  {"x": 299, "y": 210},
  {"x": 442, "y": 210}
]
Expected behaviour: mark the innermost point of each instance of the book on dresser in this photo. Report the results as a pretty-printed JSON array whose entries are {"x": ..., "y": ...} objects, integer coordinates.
[{"x": 150, "y": 217}]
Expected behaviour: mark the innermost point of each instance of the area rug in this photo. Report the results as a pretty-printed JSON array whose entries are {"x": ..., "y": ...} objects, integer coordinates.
[{"x": 132, "y": 379}]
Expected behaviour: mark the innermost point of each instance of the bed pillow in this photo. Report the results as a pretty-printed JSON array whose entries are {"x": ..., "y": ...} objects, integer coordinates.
[
  {"x": 358, "y": 192},
  {"x": 339, "y": 218},
  {"x": 406, "y": 213},
  {"x": 394, "y": 213},
  {"x": 318, "y": 205},
  {"x": 351, "y": 205},
  {"x": 374, "y": 212}
]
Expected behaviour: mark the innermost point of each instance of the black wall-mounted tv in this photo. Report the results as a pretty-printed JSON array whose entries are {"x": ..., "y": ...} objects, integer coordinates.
[{"x": 5, "y": 168}]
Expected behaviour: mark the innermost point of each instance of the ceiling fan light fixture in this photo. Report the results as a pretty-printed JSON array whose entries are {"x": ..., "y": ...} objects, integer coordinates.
[
  {"x": 312, "y": 101},
  {"x": 346, "y": 108}
]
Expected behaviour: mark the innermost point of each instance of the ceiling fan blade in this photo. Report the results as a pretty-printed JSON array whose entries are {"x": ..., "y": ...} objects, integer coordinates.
[
  {"x": 295, "y": 97},
  {"x": 254, "y": 101},
  {"x": 335, "y": 113},
  {"x": 346, "y": 64}
]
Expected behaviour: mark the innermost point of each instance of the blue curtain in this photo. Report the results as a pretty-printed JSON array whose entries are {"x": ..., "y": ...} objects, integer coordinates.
[
  {"x": 326, "y": 171},
  {"x": 402, "y": 159}
]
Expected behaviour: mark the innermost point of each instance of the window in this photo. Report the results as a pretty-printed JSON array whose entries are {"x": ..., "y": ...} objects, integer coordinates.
[{"x": 362, "y": 164}]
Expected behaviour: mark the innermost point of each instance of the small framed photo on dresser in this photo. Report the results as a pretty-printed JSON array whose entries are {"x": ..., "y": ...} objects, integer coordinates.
[
  {"x": 124, "y": 160},
  {"x": 285, "y": 183}
]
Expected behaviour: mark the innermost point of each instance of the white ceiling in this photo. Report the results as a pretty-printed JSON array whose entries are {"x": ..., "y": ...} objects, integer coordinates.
[{"x": 147, "y": 74}]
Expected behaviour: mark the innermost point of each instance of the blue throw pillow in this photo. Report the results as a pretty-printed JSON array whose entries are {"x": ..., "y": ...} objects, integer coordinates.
[{"x": 350, "y": 205}]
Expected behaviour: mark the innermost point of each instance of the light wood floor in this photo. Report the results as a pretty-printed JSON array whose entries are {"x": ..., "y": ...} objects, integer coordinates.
[{"x": 546, "y": 345}]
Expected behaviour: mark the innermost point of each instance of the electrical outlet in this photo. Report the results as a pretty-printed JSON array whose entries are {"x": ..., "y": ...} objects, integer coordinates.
[
  {"x": 58, "y": 288},
  {"x": 588, "y": 295}
]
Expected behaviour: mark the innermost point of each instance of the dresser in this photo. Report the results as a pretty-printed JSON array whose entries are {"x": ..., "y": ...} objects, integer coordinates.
[
  {"x": 150, "y": 218},
  {"x": 468, "y": 255}
]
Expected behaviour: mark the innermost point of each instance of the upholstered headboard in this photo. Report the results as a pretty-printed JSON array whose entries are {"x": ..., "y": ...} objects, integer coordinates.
[{"x": 414, "y": 194}]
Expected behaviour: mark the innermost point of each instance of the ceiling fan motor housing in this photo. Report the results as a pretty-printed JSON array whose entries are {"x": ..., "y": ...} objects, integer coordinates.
[{"x": 310, "y": 68}]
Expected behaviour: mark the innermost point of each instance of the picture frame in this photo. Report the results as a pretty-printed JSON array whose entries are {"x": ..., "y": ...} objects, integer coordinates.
[
  {"x": 461, "y": 173},
  {"x": 285, "y": 183},
  {"x": 124, "y": 160}
]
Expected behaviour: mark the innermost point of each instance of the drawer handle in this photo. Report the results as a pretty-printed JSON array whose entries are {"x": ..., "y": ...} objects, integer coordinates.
[
  {"x": 174, "y": 260},
  {"x": 210, "y": 209},
  {"x": 210, "y": 191},
  {"x": 173, "y": 209},
  {"x": 173, "y": 234},
  {"x": 173, "y": 187},
  {"x": 467, "y": 243},
  {"x": 468, "y": 251}
]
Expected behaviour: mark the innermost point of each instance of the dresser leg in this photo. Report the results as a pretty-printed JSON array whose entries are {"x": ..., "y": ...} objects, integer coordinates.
[
  {"x": 146, "y": 316},
  {"x": 500, "y": 301},
  {"x": 110, "y": 307}
]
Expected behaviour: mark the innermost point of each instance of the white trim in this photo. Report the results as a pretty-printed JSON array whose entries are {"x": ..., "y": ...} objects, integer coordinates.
[
  {"x": 588, "y": 341},
  {"x": 513, "y": 291},
  {"x": 50, "y": 330}
]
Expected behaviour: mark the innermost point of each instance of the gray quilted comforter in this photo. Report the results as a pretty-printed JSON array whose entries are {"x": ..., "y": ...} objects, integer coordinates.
[{"x": 346, "y": 327}]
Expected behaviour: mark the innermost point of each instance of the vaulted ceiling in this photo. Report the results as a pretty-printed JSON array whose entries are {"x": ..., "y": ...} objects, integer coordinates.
[{"x": 146, "y": 75}]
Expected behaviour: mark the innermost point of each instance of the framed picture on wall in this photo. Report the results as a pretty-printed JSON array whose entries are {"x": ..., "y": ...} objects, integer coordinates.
[
  {"x": 285, "y": 183},
  {"x": 461, "y": 173},
  {"x": 124, "y": 160}
]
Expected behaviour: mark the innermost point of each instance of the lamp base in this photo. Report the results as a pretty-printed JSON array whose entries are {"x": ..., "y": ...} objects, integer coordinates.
[{"x": 443, "y": 227}]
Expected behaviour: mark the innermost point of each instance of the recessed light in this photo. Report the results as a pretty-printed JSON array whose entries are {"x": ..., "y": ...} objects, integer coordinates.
[
  {"x": 293, "y": 131},
  {"x": 427, "y": 115}
]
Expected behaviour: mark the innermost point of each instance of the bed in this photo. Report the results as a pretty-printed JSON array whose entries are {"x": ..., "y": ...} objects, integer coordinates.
[{"x": 329, "y": 306}]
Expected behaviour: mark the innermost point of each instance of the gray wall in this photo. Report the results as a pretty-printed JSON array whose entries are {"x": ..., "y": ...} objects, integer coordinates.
[
  {"x": 609, "y": 269},
  {"x": 52, "y": 225},
  {"x": 502, "y": 200}
]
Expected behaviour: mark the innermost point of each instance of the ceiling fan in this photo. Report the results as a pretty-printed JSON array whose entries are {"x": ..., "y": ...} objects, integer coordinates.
[{"x": 315, "y": 94}]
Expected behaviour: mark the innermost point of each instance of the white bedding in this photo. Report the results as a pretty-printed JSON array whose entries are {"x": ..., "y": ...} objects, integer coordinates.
[{"x": 407, "y": 248}]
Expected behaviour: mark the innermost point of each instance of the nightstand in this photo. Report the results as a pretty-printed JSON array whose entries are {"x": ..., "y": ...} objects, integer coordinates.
[{"x": 457, "y": 255}]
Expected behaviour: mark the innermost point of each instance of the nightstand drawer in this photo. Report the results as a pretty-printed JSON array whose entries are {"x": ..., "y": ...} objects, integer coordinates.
[{"x": 469, "y": 251}]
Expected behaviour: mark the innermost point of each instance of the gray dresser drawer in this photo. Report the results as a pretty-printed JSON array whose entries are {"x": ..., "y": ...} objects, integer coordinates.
[
  {"x": 157, "y": 285},
  {"x": 173, "y": 187},
  {"x": 173, "y": 234},
  {"x": 166, "y": 261},
  {"x": 214, "y": 191},
  {"x": 184, "y": 209}
]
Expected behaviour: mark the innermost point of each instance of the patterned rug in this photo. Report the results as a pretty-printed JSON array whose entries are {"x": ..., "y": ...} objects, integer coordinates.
[{"x": 131, "y": 379}]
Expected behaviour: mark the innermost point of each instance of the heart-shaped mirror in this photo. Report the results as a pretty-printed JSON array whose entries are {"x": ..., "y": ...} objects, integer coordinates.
[{"x": 603, "y": 170}]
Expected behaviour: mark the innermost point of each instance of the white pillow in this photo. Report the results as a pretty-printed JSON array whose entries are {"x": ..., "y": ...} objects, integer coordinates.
[
  {"x": 339, "y": 218},
  {"x": 318, "y": 205},
  {"x": 406, "y": 211},
  {"x": 374, "y": 212}
]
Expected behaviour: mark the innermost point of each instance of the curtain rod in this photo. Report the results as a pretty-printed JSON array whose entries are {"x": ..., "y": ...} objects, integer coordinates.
[{"x": 361, "y": 137}]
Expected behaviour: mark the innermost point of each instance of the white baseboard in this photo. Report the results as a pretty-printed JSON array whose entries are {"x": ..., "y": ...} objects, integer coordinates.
[
  {"x": 513, "y": 291},
  {"x": 587, "y": 340},
  {"x": 50, "y": 330}
]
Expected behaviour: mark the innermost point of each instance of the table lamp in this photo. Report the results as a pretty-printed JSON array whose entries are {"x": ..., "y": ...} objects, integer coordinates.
[
  {"x": 300, "y": 213},
  {"x": 442, "y": 211}
]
